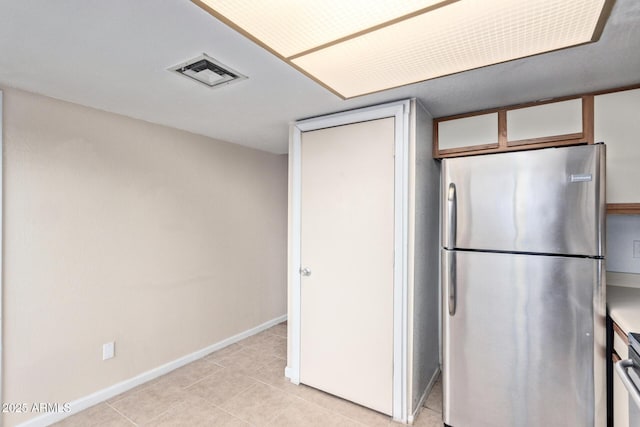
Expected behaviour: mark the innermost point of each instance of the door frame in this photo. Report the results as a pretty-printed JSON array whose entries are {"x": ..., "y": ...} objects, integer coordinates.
[
  {"x": 400, "y": 111},
  {"x": 1, "y": 253}
]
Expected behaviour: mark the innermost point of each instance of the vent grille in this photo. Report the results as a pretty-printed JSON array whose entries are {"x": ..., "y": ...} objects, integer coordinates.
[{"x": 206, "y": 70}]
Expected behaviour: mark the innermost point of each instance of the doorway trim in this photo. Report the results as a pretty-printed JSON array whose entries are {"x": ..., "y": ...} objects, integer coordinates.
[
  {"x": 1, "y": 252},
  {"x": 400, "y": 111}
]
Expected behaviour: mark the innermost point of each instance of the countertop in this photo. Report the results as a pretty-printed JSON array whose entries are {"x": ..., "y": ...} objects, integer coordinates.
[{"x": 623, "y": 303}]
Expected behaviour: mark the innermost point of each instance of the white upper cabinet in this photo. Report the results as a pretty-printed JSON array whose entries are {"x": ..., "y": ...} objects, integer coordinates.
[
  {"x": 465, "y": 132},
  {"x": 546, "y": 120},
  {"x": 612, "y": 118},
  {"x": 617, "y": 124},
  {"x": 537, "y": 125}
]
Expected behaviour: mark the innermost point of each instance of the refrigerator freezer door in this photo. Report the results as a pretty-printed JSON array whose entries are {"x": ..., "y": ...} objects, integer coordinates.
[
  {"x": 525, "y": 346},
  {"x": 542, "y": 201}
]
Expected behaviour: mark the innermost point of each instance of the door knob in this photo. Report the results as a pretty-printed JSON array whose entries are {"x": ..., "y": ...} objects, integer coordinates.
[{"x": 305, "y": 271}]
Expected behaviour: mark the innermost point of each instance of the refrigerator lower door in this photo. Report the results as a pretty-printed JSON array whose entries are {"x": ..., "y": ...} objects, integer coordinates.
[
  {"x": 548, "y": 201},
  {"x": 523, "y": 341}
]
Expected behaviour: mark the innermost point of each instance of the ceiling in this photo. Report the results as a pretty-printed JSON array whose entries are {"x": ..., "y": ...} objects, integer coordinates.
[{"x": 113, "y": 55}]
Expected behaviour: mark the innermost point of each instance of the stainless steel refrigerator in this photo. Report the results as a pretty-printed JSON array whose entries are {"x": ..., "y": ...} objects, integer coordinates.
[{"x": 523, "y": 289}]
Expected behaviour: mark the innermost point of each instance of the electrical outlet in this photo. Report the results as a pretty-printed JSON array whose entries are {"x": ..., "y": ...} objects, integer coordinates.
[
  {"x": 108, "y": 350},
  {"x": 636, "y": 248}
]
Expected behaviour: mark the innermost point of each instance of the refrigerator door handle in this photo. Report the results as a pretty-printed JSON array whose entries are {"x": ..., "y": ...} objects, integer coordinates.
[
  {"x": 452, "y": 207},
  {"x": 452, "y": 285}
]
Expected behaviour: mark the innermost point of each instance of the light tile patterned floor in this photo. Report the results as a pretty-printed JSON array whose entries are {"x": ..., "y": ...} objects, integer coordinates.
[{"x": 240, "y": 385}]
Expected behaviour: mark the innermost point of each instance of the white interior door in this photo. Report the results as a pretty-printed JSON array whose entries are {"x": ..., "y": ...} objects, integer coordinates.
[{"x": 347, "y": 243}]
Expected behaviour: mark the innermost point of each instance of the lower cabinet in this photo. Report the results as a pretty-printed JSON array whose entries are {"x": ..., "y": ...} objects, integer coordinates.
[{"x": 619, "y": 395}]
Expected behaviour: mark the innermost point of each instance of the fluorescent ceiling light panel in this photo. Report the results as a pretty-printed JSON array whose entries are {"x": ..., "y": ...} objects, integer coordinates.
[
  {"x": 399, "y": 43},
  {"x": 290, "y": 27}
]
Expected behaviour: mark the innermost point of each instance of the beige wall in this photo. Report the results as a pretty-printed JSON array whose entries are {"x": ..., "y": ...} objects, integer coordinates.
[{"x": 118, "y": 229}]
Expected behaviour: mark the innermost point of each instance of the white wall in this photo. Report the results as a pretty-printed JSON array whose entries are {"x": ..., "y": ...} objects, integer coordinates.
[
  {"x": 118, "y": 229},
  {"x": 622, "y": 231}
]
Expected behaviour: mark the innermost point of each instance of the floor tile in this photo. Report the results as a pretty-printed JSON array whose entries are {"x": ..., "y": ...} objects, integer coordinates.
[
  {"x": 275, "y": 345},
  {"x": 195, "y": 412},
  {"x": 428, "y": 418},
  {"x": 343, "y": 407},
  {"x": 273, "y": 374},
  {"x": 258, "y": 405},
  {"x": 434, "y": 400},
  {"x": 99, "y": 415},
  {"x": 303, "y": 413},
  {"x": 256, "y": 339},
  {"x": 132, "y": 391},
  {"x": 280, "y": 329},
  {"x": 224, "y": 352},
  {"x": 221, "y": 386},
  {"x": 149, "y": 402},
  {"x": 191, "y": 373},
  {"x": 246, "y": 361}
]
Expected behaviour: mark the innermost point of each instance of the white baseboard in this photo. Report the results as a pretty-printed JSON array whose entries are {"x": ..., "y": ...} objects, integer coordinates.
[
  {"x": 83, "y": 403},
  {"x": 289, "y": 374},
  {"x": 424, "y": 396}
]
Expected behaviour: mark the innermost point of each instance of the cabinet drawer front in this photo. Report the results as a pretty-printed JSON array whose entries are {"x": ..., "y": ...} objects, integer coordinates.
[
  {"x": 620, "y": 342},
  {"x": 620, "y": 403}
]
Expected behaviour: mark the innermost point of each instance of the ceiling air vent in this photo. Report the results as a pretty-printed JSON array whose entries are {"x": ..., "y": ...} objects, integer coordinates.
[{"x": 208, "y": 71}]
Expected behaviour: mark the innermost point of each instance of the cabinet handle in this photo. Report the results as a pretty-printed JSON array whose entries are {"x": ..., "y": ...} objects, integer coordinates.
[{"x": 621, "y": 369}]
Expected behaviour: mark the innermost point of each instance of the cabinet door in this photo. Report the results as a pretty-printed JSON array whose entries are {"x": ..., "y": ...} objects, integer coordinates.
[
  {"x": 547, "y": 122},
  {"x": 347, "y": 242},
  {"x": 468, "y": 133},
  {"x": 620, "y": 395},
  {"x": 620, "y": 403},
  {"x": 617, "y": 124}
]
